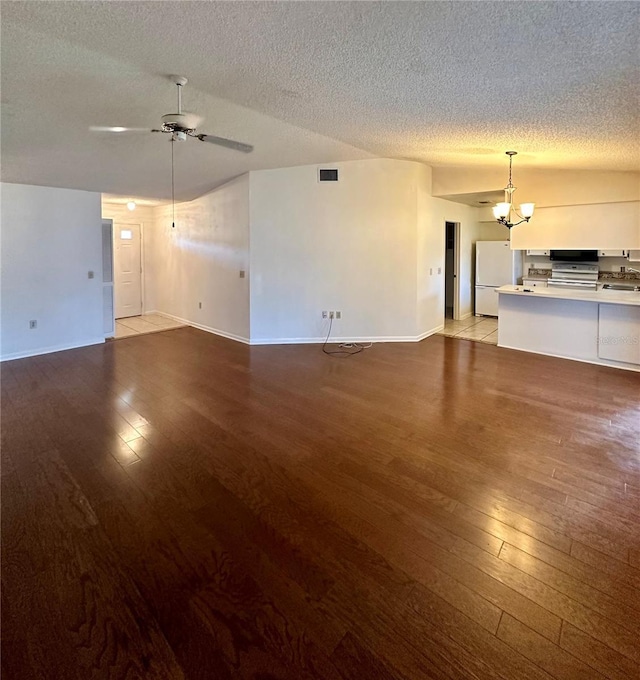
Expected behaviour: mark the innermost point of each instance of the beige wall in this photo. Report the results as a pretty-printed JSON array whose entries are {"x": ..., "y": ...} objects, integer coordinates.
[
  {"x": 542, "y": 187},
  {"x": 574, "y": 208}
]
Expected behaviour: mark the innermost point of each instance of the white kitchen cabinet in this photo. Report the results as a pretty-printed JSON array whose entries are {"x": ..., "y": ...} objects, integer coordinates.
[
  {"x": 534, "y": 283},
  {"x": 612, "y": 253},
  {"x": 619, "y": 333},
  {"x": 544, "y": 253}
]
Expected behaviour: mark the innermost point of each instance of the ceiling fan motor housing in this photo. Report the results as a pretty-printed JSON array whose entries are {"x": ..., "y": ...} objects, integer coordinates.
[{"x": 180, "y": 121}]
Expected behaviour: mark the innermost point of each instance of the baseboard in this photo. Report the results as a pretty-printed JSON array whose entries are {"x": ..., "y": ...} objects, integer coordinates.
[
  {"x": 426, "y": 334},
  {"x": 309, "y": 340},
  {"x": 337, "y": 340},
  {"x": 202, "y": 327},
  {"x": 465, "y": 316},
  {"x": 50, "y": 350},
  {"x": 602, "y": 362}
]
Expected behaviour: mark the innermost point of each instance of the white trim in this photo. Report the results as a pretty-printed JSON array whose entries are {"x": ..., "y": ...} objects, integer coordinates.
[
  {"x": 457, "y": 235},
  {"x": 429, "y": 333},
  {"x": 602, "y": 362},
  {"x": 465, "y": 316},
  {"x": 208, "y": 329},
  {"x": 301, "y": 341},
  {"x": 50, "y": 350},
  {"x": 333, "y": 340}
]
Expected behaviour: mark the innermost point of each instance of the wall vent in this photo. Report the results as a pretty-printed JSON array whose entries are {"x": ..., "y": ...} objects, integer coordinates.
[{"x": 328, "y": 175}]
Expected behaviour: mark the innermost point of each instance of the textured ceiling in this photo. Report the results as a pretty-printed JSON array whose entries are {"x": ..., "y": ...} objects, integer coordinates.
[{"x": 447, "y": 83}]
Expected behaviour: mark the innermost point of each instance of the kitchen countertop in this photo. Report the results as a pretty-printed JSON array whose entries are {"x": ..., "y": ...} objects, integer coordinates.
[{"x": 613, "y": 297}]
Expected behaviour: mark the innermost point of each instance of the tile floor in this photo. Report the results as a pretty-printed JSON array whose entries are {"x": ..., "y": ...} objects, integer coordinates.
[
  {"x": 478, "y": 328},
  {"x": 147, "y": 323}
]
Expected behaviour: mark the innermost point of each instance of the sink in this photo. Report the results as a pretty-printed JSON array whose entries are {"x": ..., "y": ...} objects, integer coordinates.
[{"x": 621, "y": 286}]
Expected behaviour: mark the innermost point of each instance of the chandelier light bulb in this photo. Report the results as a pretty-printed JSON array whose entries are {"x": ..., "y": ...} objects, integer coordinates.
[
  {"x": 502, "y": 210},
  {"x": 526, "y": 209}
]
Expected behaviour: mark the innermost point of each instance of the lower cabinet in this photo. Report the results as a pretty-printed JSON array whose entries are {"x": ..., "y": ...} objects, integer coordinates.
[{"x": 619, "y": 333}]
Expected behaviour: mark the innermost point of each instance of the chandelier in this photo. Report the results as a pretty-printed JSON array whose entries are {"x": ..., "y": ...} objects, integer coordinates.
[{"x": 502, "y": 211}]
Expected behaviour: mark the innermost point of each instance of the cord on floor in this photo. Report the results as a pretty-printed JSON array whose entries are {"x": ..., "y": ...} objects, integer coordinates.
[{"x": 345, "y": 349}]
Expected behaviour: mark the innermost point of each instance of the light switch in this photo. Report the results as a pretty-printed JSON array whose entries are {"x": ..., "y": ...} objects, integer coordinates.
[
  {"x": 439, "y": 270},
  {"x": 430, "y": 271},
  {"x": 90, "y": 275},
  {"x": 242, "y": 273}
]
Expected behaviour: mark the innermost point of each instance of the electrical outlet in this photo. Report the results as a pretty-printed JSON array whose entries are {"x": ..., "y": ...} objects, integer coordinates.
[
  {"x": 331, "y": 315},
  {"x": 430, "y": 271},
  {"x": 33, "y": 323},
  {"x": 338, "y": 315},
  {"x": 90, "y": 275},
  {"x": 439, "y": 270},
  {"x": 325, "y": 314},
  {"x": 242, "y": 273},
  {"x": 199, "y": 305}
]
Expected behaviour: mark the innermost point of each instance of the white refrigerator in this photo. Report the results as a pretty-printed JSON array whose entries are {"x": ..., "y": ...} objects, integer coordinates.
[{"x": 496, "y": 265}]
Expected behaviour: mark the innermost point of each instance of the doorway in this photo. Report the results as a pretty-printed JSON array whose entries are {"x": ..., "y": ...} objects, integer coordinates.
[
  {"x": 127, "y": 269},
  {"x": 451, "y": 267}
]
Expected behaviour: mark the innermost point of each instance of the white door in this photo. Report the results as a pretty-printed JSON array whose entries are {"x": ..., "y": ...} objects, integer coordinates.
[{"x": 127, "y": 270}]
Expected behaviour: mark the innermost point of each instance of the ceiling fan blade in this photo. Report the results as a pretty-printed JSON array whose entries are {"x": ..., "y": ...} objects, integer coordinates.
[
  {"x": 116, "y": 129},
  {"x": 227, "y": 143}
]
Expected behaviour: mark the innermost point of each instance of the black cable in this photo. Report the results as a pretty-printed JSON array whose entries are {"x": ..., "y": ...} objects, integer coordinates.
[{"x": 339, "y": 352}]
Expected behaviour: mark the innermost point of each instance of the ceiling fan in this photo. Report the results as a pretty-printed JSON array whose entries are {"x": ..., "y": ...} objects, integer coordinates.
[{"x": 181, "y": 125}]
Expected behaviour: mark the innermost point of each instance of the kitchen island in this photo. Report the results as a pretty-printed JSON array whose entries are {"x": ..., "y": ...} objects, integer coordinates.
[{"x": 598, "y": 326}]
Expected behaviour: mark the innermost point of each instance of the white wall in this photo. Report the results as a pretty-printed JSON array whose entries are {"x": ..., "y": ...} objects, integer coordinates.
[
  {"x": 348, "y": 245},
  {"x": 200, "y": 261},
  {"x": 51, "y": 238}
]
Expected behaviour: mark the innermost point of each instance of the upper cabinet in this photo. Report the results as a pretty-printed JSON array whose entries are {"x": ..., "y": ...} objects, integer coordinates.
[
  {"x": 604, "y": 227},
  {"x": 612, "y": 253}
]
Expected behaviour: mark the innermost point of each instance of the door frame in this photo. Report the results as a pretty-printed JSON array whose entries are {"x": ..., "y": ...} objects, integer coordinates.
[
  {"x": 456, "y": 268},
  {"x": 127, "y": 223}
]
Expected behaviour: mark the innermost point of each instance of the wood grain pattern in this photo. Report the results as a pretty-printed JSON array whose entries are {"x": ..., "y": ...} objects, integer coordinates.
[{"x": 178, "y": 505}]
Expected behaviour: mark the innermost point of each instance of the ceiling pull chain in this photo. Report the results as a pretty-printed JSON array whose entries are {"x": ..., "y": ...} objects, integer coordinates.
[{"x": 173, "y": 196}]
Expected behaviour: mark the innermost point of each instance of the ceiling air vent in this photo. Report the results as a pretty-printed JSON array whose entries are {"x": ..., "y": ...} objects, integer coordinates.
[{"x": 328, "y": 175}]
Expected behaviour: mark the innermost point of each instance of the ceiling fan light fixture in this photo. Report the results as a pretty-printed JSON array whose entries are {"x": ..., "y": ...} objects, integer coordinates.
[{"x": 131, "y": 205}]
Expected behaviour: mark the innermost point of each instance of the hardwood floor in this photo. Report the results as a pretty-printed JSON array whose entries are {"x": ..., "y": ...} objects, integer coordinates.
[{"x": 178, "y": 505}]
